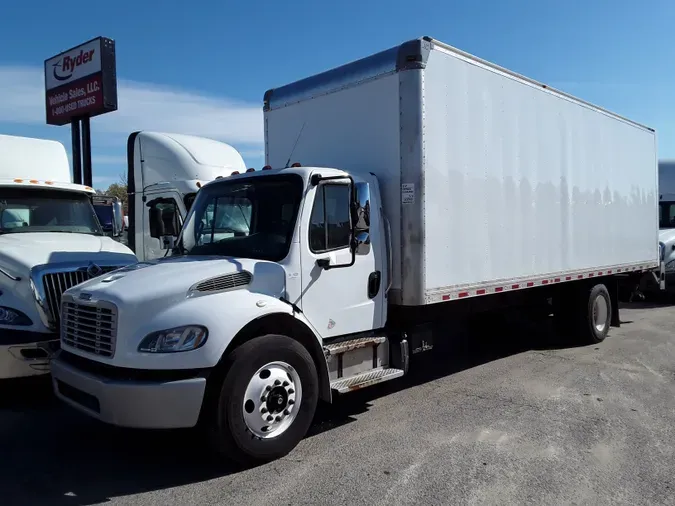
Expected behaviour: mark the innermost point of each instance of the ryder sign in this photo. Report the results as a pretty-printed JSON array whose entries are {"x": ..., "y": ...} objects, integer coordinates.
[{"x": 81, "y": 82}]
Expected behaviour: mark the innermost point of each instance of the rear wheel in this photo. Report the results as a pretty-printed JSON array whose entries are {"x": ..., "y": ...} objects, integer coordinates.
[
  {"x": 267, "y": 400},
  {"x": 596, "y": 319}
]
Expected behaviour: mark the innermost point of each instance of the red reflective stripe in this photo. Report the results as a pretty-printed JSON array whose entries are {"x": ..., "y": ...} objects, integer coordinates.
[
  {"x": 446, "y": 297},
  {"x": 515, "y": 287},
  {"x": 499, "y": 289},
  {"x": 480, "y": 292},
  {"x": 545, "y": 282},
  {"x": 556, "y": 280},
  {"x": 463, "y": 294},
  {"x": 530, "y": 283},
  {"x": 568, "y": 278}
]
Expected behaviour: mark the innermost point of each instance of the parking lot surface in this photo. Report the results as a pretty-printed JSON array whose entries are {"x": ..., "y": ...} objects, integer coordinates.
[{"x": 510, "y": 415}]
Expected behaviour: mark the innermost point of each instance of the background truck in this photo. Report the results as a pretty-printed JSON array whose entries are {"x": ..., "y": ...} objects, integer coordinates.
[
  {"x": 50, "y": 240},
  {"x": 110, "y": 213},
  {"x": 426, "y": 185},
  {"x": 165, "y": 171},
  {"x": 667, "y": 221}
]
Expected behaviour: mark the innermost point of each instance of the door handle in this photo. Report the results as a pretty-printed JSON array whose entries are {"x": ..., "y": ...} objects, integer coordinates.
[{"x": 374, "y": 281}]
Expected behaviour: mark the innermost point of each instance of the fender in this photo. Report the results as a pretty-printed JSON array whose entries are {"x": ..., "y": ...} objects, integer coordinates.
[{"x": 292, "y": 324}]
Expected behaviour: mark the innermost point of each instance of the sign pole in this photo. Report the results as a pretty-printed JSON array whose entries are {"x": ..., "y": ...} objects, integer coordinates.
[
  {"x": 86, "y": 152},
  {"x": 77, "y": 155}
]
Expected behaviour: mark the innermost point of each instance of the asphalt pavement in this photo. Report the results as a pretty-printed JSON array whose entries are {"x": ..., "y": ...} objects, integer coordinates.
[{"x": 510, "y": 414}]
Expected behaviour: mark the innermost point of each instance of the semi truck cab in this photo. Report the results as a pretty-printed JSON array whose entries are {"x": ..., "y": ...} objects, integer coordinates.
[
  {"x": 164, "y": 173},
  {"x": 50, "y": 240}
]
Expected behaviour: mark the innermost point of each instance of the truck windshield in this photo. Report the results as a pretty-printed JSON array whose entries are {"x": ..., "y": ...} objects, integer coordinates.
[
  {"x": 248, "y": 218},
  {"x": 40, "y": 210},
  {"x": 666, "y": 214}
]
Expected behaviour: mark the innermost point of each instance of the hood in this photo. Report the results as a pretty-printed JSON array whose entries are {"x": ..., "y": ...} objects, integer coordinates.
[
  {"x": 169, "y": 280},
  {"x": 21, "y": 251}
]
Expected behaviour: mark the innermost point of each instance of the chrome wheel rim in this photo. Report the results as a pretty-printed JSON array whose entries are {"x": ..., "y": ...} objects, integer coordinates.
[
  {"x": 272, "y": 400},
  {"x": 600, "y": 310}
]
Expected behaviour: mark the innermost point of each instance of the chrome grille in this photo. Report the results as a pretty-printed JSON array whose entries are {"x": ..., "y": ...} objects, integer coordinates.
[
  {"x": 90, "y": 328},
  {"x": 225, "y": 282},
  {"x": 55, "y": 283}
]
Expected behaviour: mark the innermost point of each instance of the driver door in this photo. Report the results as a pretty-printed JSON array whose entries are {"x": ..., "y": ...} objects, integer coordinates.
[{"x": 341, "y": 300}]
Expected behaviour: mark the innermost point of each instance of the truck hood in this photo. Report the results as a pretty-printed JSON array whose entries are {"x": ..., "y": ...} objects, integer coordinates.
[
  {"x": 169, "y": 280},
  {"x": 21, "y": 251}
]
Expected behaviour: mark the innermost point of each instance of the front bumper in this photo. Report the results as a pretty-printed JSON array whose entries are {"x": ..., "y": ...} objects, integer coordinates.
[
  {"x": 25, "y": 353},
  {"x": 126, "y": 402}
]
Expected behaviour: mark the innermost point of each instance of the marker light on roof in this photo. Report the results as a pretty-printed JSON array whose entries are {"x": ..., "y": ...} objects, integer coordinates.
[
  {"x": 267, "y": 167},
  {"x": 34, "y": 181},
  {"x": 49, "y": 182},
  {"x": 17, "y": 180},
  {"x": 199, "y": 185},
  {"x": 235, "y": 173},
  {"x": 296, "y": 164},
  {"x": 250, "y": 170}
]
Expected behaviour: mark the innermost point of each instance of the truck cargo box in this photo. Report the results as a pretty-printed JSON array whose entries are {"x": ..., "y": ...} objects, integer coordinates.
[{"x": 491, "y": 181}]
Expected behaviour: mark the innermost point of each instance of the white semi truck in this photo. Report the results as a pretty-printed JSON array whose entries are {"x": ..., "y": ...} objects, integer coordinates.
[
  {"x": 164, "y": 173},
  {"x": 427, "y": 184},
  {"x": 50, "y": 240}
]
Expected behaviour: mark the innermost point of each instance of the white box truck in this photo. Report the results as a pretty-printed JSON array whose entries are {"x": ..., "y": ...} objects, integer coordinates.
[
  {"x": 424, "y": 184},
  {"x": 50, "y": 239}
]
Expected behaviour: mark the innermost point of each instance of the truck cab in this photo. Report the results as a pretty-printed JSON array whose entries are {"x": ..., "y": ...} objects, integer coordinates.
[
  {"x": 50, "y": 240},
  {"x": 165, "y": 172}
]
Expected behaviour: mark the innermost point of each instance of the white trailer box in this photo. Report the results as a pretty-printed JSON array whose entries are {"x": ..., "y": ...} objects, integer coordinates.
[{"x": 490, "y": 179}]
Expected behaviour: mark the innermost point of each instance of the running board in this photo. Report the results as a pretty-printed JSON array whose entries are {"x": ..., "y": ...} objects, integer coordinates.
[
  {"x": 366, "y": 379},
  {"x": 352, "y": 344}
]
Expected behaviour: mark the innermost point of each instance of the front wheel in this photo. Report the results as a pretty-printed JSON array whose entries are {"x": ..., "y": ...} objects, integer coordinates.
[{"x": 267, "y": 400}]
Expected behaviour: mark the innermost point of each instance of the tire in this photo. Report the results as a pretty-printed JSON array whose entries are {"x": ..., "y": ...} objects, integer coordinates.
[
  {"x": 596, "y": 314},
  {"x": 238, "y": 421}
]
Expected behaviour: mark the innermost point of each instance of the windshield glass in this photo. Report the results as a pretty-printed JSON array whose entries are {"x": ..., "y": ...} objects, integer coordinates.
[
  {"x": 24, "y": 210},
  {"x": 666, "y": 214},
  {"x": 248, "y": 218}
]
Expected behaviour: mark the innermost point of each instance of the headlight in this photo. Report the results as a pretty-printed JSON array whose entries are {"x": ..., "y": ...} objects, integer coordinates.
[
  {"x": 187, "y": 338},
  {"x": 9, "y": 316}
]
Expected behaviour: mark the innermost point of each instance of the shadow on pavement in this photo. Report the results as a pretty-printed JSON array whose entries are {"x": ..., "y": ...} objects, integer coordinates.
[{"x": 55, "y": 456}]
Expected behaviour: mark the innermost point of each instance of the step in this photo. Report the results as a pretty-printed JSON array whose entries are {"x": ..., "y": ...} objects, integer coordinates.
[
  {"x": 352, "y": 344},
  {"x": 366, "y": 379}
]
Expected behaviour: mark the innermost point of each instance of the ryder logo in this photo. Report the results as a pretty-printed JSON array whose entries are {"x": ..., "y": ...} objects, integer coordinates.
[{"x": 65, "y": 67}]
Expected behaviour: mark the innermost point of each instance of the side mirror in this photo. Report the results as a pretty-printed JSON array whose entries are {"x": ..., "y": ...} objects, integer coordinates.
[
  {"x": 117, "y": 218},
  {"x": 361, "y": 218}
]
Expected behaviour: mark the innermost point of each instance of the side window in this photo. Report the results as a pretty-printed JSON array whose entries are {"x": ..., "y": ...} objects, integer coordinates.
[
  {"x": 330, "y": 227},
  {"x": 164, "y": 217}
]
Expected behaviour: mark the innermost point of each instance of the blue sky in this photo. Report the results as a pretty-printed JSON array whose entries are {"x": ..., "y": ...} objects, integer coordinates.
[{"x": 202, "y": 67}]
